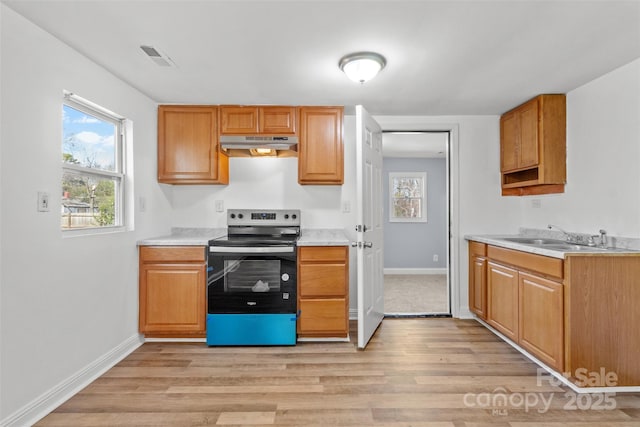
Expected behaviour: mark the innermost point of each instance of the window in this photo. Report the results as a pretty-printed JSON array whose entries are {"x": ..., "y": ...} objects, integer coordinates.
[
  {"x": 407, "y": 197},
  {"x": 92, "y": 166}
]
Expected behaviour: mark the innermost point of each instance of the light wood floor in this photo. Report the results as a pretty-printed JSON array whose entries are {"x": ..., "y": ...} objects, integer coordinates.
[{"x": 415, "y": 372}]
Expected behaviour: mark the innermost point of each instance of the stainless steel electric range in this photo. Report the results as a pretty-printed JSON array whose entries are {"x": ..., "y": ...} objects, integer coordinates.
[{"x": 252, "y": 279}]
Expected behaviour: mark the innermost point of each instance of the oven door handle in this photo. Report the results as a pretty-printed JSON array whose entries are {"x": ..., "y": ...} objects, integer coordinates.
[{"x": 252, "y": 249}]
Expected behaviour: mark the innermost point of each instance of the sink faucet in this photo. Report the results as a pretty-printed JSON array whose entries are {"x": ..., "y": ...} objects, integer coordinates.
[
  {"x": 603, "y": 238},
  {"x": 551, "y": 226}
]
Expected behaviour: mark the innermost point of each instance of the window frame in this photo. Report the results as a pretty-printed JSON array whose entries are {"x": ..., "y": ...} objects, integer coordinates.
[
  {"x": 118, "y": 176},
  {"x": 422, "y": 176}
]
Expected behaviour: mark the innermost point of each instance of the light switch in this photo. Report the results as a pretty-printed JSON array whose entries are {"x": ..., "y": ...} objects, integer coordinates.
[
  {"x": 346, "y": 206},
  {"x": 219, "y": 205},
  {"x": 43, "y": 201},
  {"x": 142, "y": 203}
]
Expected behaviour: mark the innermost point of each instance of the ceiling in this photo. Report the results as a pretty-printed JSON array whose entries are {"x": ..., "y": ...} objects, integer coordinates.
[{"x": 443, "y": 57}]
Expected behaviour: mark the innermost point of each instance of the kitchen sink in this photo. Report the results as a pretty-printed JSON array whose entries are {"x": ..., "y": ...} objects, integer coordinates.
[
  {"x": 568, "y": 247},
  {"x": 533, "y": 241}
]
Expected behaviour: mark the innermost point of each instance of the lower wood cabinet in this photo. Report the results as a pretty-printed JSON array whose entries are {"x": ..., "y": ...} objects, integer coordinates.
[
  {"x": 323, "y": 291},
  {"x": 541, "y": 318},
  {"x": 172, "y": 285},
  {"x": 524, "y": 298},
  {"x": 577, "y": 315}
]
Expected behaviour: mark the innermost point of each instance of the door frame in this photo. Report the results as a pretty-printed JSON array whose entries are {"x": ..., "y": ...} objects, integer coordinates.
[{"x": 416, "y": 124}]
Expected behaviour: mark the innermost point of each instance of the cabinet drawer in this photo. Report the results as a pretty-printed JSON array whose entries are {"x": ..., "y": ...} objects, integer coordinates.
[
  {"x": 322, "y": 280},
  {"x": 323, "y": 316},
  {"x": 323, "y": 253},
  {"x": 477, "y": 248},
  {"x": 545, "y": 265},
  {"x": 172, "y": 254}
]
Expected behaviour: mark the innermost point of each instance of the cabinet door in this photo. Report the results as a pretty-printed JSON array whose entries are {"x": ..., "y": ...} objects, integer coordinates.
[
  {"x": 238, "y": 120},
  {"x": 188, "y": 151},
  {"x": 172, "y": 298},
  {"x": 478, "y": 286},
  {"x": 320, "y": 148},
  {"x": 502, "y": 299},
  {"x": 323, "y": 317},
  {"x": 277, "y": 120},
  {"x": 509, "y": 141},
  {"x": 528, "y": 152},
  {"x": 541, "y": 319}
]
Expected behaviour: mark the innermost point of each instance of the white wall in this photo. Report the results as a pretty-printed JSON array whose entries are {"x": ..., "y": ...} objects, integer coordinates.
[
  {"x": 66, "y": 302},
  {"x": 270, "y": 183},
  {"x": 603, "y": 158}
]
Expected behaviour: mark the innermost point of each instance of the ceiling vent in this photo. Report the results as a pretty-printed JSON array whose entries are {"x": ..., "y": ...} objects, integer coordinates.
[{"x": 161, "y": 59}]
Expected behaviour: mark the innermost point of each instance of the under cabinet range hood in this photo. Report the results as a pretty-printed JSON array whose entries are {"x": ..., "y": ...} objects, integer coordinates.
[{"x": 258, "y": 141}]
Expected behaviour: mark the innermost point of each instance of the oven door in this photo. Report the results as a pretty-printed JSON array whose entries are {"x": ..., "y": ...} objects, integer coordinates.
[{"x": 260, "y": 279}]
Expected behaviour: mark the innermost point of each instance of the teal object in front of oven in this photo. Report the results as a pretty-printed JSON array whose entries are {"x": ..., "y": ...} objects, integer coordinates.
[{"x": 251, "y": 329}]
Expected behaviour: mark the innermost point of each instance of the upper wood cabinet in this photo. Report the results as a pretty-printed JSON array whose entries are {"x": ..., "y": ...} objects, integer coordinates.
[
  {"x": 533, "y": 147},
  {"x": 188, "y": 149},
  {"x": 249, "y": 120},
  {"x": 320, "y": 146}
]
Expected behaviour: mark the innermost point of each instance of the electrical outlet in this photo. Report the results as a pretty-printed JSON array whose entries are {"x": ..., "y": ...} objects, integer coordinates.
[
  {"x": 536, "y": 203},
  {"x": 435, "y": 258},
  {"x": 219, "y": 205},
  {"x": 346, "y": 206},
  {"x": 43, "y": 201}
]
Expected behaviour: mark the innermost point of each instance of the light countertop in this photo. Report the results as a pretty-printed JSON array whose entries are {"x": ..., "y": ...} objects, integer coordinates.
[
  {"x": 498, "y": 240},
  {"x": 201, "y": 237},
  {"x": 323, "y": 237},
  {"x": 185, "y": 237}
]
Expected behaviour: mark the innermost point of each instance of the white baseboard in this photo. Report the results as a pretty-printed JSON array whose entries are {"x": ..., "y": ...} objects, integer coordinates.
[
  {"x": 54, "y": 397},
  {"x": 557, "y": 375},
  {"x": 175, "y": 339},
  {"x": 415, "y": 271}
]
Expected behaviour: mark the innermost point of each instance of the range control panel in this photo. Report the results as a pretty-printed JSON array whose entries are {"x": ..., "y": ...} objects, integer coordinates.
[{"x": 271, "y": 217}]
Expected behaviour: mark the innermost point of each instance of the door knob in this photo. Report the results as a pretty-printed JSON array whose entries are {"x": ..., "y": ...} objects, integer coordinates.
[
  {"x": 356, "y": 244},
  {"x": 368, "y": 244}
]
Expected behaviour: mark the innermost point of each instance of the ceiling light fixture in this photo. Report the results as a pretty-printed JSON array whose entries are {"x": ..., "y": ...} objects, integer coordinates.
[{"x": 362, "y": 66}]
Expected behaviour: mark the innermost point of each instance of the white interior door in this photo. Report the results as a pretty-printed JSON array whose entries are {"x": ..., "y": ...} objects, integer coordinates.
[{"x": 369, "y": 226}]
